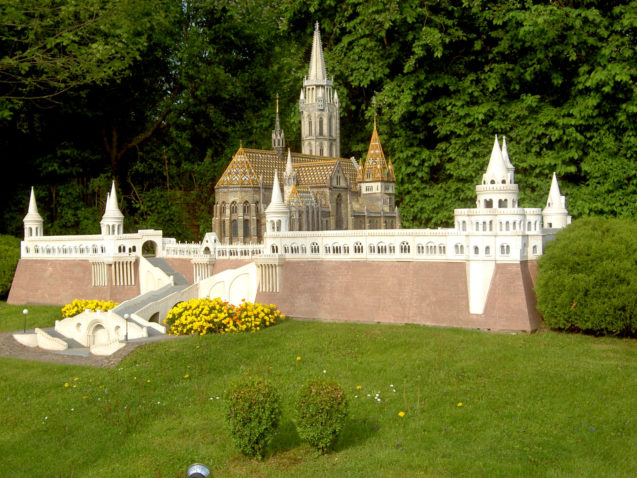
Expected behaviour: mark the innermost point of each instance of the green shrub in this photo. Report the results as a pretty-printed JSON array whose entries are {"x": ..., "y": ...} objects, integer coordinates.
[
  {"x": 587, "y": 278},
  {"x": 253, "y": 414},
  {"x": 321, "y": 411},
  {"x": 9, "y": 257}
]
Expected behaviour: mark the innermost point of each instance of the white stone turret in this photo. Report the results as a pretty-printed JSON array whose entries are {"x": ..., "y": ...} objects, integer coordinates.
[
  {"x": 319, "y": 106},
  {"x": 32, "y": 221},
  {"x": 289, "y": 177},
  {"x": 277, "y": 214},
  {"x": 498, "y": 188},
  {"x": 112, "y": 223},
  {"x": 555, "y": 215}
]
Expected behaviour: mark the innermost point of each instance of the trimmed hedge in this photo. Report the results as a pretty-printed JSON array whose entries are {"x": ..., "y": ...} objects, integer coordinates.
[
  {"x": 253, "y": 414},
  {"x": 321, "y": 412},
  {"x": 587, "y": 279},
  {"x": 9, "y": 257}
]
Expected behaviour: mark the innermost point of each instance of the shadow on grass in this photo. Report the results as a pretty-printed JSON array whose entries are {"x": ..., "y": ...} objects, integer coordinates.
[
  {"x": 356, "y": 431},
  {"x": 286, "y": 438}
]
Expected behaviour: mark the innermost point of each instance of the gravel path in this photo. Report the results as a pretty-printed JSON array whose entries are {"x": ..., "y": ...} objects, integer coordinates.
[{"x": 9, "y": 347}]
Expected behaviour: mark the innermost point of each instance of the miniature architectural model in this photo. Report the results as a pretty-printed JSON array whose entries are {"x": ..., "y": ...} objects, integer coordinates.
[
  {"x": 325, "y": 245},
  {"x": 321, "y": 191}
]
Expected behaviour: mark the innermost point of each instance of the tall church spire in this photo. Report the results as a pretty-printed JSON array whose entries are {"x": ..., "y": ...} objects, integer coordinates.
[
  {"x": 278, "y": 137},
  {"x": 317, "y": 63},
  {"x": 113, "y": 220},
  {"x": 32, "y": 221},
  {"x": 319, "y": 105}
]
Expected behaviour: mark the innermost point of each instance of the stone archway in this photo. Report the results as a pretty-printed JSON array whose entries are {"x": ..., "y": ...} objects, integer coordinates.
[
  {"x": 149, "y": 249},
  {"x": 100, "y": 335}
]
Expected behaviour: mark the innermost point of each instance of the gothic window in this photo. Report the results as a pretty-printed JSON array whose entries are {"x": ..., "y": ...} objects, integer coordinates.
[
  {"x": 358, "y": 248},
  {"x": 459, "y": 249},
  {"x": 314, "y": 248},
  {"x": 405, "y": 248},
  {"x": 246, "y": 208},
  {"x": 487, "y": 251},
  {"x": 339, "y": 213},
  {"x": 534, "y": 249},
  {"x": 286, "y": 249},
  {"x": 303, "y": 249},
  {"x": 233, "y": 207},
  {"x": 392, "y": 249},
  {"x": 476, "y": 250},
  {"x": 336, "y": 248},
  {"x": 490, "y": 226},
  {"x": 345, "y": 249},
  {"x": 420, "y": 249},
  {"x": 507, "y": 226},
  {"x": 372, "y": 249},
  {"x": 274, "y": 249},
  {"x": 295, "y": 248},
  {"x": 464, "y": 226},
  {"x": 514, "y": 225},
  {"x": 321, "y": 149},
  {"x": 256, "y": 207},
  {"x": 368, "y": 174},
  {"x": 505, "y": 249},
  {"x": 246, "y": 228},
  {"x": 442, "y": 249},
  {"x": 327, "y": 249},
  {"x": 278, "y": 225},
  {"x": 382, "y": 248},
  {"x": 320, "y": 133},
  {"x": 235, "y": 228},
  {"x": 431, "y": 248},
  {"x": 309, "y": 126}
]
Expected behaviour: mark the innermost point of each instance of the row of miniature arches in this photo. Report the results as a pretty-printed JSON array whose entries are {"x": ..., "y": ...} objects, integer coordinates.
[
  {"x": 382, "y": 248},
  {"x": 485, "y": 226},
  {"x": 67, "y": 250}
]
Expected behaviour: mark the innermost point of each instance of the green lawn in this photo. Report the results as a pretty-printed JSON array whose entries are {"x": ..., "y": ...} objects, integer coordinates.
[{"x": 544, "y": 404}]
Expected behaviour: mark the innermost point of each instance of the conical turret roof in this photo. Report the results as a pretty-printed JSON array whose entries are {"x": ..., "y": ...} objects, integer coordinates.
[
  {"x": 555, "y": 199},
  {"x": 276, "y": 202},
  {"x": 376, "y": 168},
  {"x": 32, "y": 214},
  {"x": 497, "y": 170},
  {"x": 112, "y": 211}
]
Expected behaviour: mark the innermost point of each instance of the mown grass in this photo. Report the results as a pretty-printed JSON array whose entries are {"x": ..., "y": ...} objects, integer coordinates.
[{"x": 545, "y": 404}]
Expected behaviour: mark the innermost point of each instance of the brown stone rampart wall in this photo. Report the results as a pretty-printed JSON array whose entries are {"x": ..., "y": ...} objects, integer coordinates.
[
  {"x": 427, "y": 293},
  {"x": 58, "y": 282}
]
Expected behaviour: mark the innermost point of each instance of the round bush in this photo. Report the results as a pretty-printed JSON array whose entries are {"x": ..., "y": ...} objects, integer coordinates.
[
  {"x": 587, "y": 278},
  {"x": 253, "y": 414},
  {"x": 321, "y": 412}
]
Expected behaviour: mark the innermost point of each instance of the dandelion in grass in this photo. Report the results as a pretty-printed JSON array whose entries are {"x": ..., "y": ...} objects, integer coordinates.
[
  {"x": 298, "y": 358},
  {"x": 186, "y": 376},
  {"x": 66, "y": 384},
  {"x": 75, "y": 379},
  {"x": 401, "y": 414},
  {"x": 459, "y": 404},
  {"x": 358, "y": 387},
  {"x": 148, "y": 381}
]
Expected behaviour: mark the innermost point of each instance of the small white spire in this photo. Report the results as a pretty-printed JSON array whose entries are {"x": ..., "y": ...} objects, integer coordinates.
[
  {"x": 555, "y": 199},
  {"x": 505, "y": 155},
  {"x": 277, "y": 200},
  {"x": 496, "y": 171},
  {"x": 32, "y": 221},
  {"x": 33, "y": 207},
  {"x": 289, "y": 169}
]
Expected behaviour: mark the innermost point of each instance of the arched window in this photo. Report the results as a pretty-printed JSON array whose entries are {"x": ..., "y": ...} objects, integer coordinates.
[
  {"x": 314, "y": 248},
  {"x": 309, "y": 127},
  {"x": 372, "y": 249},
  {"x": 358, "y": 248},
  {"x": 487, "y": 251},
  {"x": 246, "y": 208},
  {"x": 488, "y": 203},
  {"x": 507, "y": 226},
  {"x": 431, "y": 248},
  {"x": 295, "y": 248},
  {"x": 320, "y": 126},
  {"x": 405, "y": 248},
  {"x": 235, "y": 228},
  {"x": 458, "y": 249},
  {"x": 336, "y": 248},
  {"x": 233, "y": 207},
  {"x": 464, "y": 226},
  {"x": 505, "y": 249},
  {"x": 246, "y": 228},
  {"x": 420, "y": 249},
  {"x": 476, "y": 251},
  {"x": 442, "y": 249},
  {"x": 382, "y": 248},
  {"x": 502, "y": 203},
  {"x": 391, "y": 249},
  {"x": 286, "y": 249},
  {"x": 327, "y": 249},
  {"x": 274, "y": 248}
]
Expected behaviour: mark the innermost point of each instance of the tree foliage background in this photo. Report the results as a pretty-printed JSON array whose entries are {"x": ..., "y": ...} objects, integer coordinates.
[{"x": 158, "y": 94}]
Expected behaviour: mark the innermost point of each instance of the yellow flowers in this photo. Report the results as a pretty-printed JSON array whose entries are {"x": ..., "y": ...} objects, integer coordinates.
[
  {"x": 213, "y": 316},
  {"x": 459, "y": 404},
  {"x": 80, "y": 305},
  {"x": 186, "y": 376},
  {"x": 401, "y": 414},
  {"x": 298, "y": 358}
]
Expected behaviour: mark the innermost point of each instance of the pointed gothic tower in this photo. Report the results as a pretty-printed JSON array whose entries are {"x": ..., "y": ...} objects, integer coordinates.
[
  {"x": 376, "y": 178},
  {"x": 498, "y": 188},
  {"x": 320, "y": 123},
  {"x": 289, "y": 177},
  {"x": 278, "y": 137},
  {"x": 112, "y": 223},
  {"x": 555, "y": 215},
  {"x": 32, "y": 221}
]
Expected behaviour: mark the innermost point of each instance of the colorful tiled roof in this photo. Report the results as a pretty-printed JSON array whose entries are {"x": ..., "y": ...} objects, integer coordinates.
[
  {"x": 249, "y": 165},
  {"x": 376, "y": 168}
]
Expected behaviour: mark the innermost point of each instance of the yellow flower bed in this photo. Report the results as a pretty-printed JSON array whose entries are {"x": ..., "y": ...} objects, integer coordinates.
[
  {"x": 213, "y": 316},
  {"x": 80, "y": 305}
]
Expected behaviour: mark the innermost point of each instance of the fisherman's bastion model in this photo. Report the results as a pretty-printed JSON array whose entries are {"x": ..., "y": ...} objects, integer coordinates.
[{"x": 327, "y": 245}]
